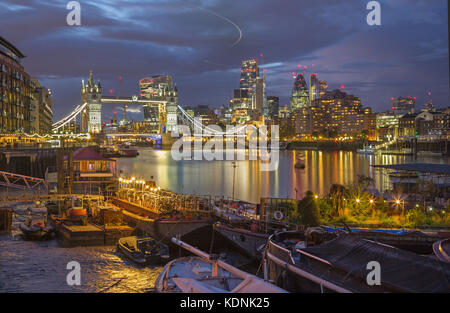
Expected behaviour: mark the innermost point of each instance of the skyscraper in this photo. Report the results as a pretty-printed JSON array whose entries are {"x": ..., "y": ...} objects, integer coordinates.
[
  {"x": 273, "y": 107},
  {"x": 249, "y": 100},
  {"x": 300, "y": 93},
  {"x": 241, "y": 105},
  {"x": 314, "y": 87},
  {"x": 249, "y": 74},
  {"x": 259, "y": 96},
  {"x": 403, "y": 105},
  {"x": 323, "y": 88}
]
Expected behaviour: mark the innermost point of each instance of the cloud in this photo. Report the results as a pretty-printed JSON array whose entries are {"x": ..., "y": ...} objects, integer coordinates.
[{"x": 137, "y": 39}]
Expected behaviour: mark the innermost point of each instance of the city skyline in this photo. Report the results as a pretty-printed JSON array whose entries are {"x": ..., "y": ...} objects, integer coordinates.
[{"x": 399, "y": 58}]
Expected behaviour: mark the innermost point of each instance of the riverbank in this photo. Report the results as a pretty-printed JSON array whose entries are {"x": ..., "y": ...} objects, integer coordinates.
[{"x": 326, "y": 145}]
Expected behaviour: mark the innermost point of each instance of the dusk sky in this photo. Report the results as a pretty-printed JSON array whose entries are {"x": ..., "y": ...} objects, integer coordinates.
[{"x": 197, "y": 42}]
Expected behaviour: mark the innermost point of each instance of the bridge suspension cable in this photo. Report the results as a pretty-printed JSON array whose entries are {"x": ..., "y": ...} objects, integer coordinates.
[
  {"x": 197, "y": 123},
  {"x": 64, "y": 121}
]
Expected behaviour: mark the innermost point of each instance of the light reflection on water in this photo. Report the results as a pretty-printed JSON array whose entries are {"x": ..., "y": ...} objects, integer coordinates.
[
  {"x": 27, "y": 266},
  {"x": 216, "y": 177}
]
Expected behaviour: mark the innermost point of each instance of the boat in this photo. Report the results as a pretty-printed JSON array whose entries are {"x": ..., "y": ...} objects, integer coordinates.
[
  {"x": 206, "y": 273},
  {"x": 442, "y": 250},
  {"x": 315, "y": 261},
  {"x": 366, "y": 150},
  {"x": 239, "y": 224},
  {"x": 411, "y": 240},
  {"x": 77, "y": 215},
  {"x": 403, "y": 175},
  {"x": 144, "y": 250},
  {"x": 111, "y": 152},
  {"x": 229, "y": 210},
  {"x": 128, "y": 151},
  {"x": 429, "y": 154},
  {"x": 249, "y": 242},
  {"x": 35, "y": 229}
]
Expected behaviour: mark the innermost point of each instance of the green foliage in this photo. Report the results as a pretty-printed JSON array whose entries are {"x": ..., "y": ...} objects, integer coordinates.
[{"x": 309, "y": 210}]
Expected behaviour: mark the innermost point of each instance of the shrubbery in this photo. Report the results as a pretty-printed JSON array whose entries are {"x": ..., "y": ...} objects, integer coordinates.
[{"x": 355, "y": 205}]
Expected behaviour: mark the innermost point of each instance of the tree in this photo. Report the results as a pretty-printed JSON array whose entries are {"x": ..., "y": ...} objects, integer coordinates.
[
  {"x": 309, "y": 210},
  {"x": 365, "y": 181},
  {"x": 337, "y": 193}
]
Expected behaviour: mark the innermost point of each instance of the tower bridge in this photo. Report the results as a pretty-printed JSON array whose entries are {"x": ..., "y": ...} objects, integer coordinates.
[{"x": 159, "y": 100}]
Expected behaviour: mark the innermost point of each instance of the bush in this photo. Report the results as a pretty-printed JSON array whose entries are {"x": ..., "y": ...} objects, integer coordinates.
[{"x": 309, "y": 210}]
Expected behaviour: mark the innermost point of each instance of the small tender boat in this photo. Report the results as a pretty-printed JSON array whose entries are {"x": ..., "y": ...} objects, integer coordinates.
[
  {"x": 403, "y": 175},
  {"x": 429, "y": 154},
  {"x": 203, "y": 274},
  {"x": 35, "y": 229},
  {"x": 112, "y": 152},
  {"x": 442, "y": 250},
  {"x": 128, "y": 151},
  {"x": 77, "y": 215},
  {"x": 144, "y": 250},
  {"x": 366, "y": 150}
]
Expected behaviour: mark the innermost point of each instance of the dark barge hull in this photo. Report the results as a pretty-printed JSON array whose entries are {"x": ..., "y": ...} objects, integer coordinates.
[
  {"x": 340, "y": 265},
  {"x": 245, "y": 241},
  {"x": 414, "y": 241}
]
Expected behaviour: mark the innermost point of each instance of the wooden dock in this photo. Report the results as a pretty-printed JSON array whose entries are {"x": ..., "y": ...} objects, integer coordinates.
[
  {"x": 91, "y": 234},
  {"x": 5, "y": 219}
]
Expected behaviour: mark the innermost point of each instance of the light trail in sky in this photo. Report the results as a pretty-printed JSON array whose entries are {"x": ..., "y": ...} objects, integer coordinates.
[{"x": 223, "y": 18}]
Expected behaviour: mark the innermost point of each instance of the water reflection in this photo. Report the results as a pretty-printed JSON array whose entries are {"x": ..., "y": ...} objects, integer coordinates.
[
  {"x": 322, "y": 169},
  {"x": 28, "y": 266}
]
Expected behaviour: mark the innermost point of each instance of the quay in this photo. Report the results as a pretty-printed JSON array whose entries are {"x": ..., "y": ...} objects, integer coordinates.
[{"x": 91, "y": 234}]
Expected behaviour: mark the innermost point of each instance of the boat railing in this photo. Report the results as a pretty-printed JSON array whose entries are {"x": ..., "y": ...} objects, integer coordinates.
[
  {"x": 278, "y": 255},
  {"x": 372, "y": 226}
]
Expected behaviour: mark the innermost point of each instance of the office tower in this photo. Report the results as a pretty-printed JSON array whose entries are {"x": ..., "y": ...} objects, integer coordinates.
[
  {"x": 314, "y": 87},
  {"x": 273, "y": 107},
  {"x": 15, "y": 91},
  {"x": 300, "y": 93},
  {"x": 41, "y": 110},
  {"x": 241, "y": 106},
  {"x": 403, "y": 105},
  {"x": 249, "y": 74},
  {"x": 323, "y": 88}
]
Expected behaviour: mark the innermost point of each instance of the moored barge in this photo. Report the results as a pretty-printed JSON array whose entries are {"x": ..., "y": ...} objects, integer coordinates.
[{"x": 340, "y": 265}]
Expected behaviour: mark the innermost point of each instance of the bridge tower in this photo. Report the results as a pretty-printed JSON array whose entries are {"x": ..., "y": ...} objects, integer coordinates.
[
  {"x": 162, "y": 114},
  {"x": 91, "y": 118}
]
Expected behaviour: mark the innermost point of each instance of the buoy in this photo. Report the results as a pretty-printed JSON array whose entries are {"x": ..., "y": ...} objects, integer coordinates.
[{"x": 278, "y": 215}]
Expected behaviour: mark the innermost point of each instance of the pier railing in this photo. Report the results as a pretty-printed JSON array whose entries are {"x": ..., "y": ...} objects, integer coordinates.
[{"x": 163, "y": 201}]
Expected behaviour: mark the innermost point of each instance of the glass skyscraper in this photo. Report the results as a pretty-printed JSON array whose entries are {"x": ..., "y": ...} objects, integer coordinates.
[{"x": 300, "y": 93}]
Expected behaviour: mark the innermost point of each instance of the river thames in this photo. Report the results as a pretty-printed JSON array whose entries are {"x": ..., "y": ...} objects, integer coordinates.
[{"x": 215, "y": 178}]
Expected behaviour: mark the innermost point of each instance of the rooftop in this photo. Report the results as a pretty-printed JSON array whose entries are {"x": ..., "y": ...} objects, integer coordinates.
[
  {"x": 11, "y": 47},
  {"x": 87, "y": 154}
]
